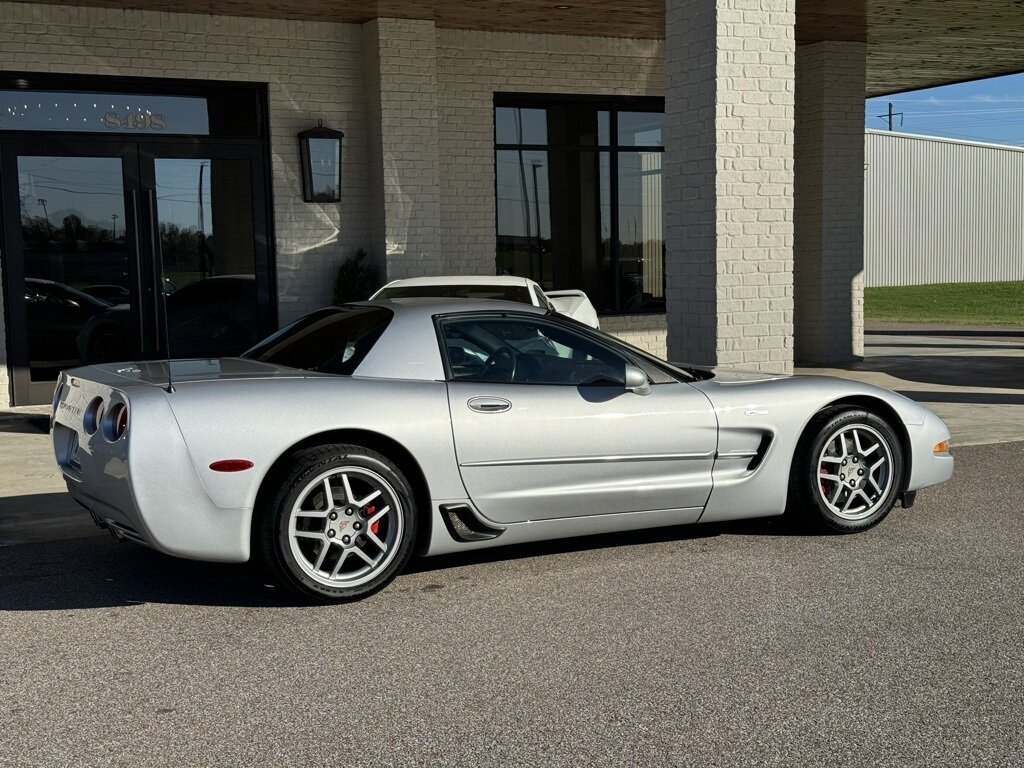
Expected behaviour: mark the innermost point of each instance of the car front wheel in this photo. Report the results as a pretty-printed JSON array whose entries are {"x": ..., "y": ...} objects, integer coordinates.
[
  {"x": 848, "y": 471},
  {"x": 341, "y": 525}
]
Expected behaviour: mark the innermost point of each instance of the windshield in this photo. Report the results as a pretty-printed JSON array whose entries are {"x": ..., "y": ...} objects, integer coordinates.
[
  {"x": 333, "y": 340},
  {"x": 518, "y": 293}
]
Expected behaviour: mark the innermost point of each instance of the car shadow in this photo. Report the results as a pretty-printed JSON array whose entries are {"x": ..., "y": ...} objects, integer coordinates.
[
  {"x": 25, "y": 424},
  {"x": 98, "y": 572}
]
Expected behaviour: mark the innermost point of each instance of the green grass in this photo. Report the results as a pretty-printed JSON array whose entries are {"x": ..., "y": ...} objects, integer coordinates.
[{"x": 952, "y": 303}]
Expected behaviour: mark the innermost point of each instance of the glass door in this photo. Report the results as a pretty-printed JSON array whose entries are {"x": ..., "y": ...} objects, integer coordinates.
[
  {"x": 121, "y": 250},
  {"x": 213, "y": 265},
  {"x": 71, "y": 258}
]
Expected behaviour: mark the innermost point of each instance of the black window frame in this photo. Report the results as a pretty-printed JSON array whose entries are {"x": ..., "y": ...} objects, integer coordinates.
[
  {"x": 614, "y": 105},
  {"x": 222, "y": 117}
]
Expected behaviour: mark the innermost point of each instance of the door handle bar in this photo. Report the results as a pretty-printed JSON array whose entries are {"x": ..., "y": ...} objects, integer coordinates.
[{"x": 489, "y": 404}]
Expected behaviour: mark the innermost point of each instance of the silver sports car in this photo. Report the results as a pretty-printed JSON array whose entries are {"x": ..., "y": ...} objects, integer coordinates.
[{"x": 360, "y": 434}]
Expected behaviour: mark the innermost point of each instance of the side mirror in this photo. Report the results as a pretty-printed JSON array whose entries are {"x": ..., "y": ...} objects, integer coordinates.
[{"x": 637, "y": 381}]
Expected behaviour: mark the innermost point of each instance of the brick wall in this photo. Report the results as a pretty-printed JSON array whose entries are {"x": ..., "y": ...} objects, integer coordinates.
[
  {"x": 401, "y": 55},
  {"x": 313, "y": 71},
  {"x": 645, "y": 331},
  {"x": 729, "y": 128},
  {"x": 829, "y": 201}
]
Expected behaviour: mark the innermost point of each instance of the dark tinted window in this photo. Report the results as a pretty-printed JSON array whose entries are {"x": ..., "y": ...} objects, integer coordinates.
[
  {"x": 519, "y": 350},
  {"x": 518, "y": 293},
  {"x": 334, "y": 340}
]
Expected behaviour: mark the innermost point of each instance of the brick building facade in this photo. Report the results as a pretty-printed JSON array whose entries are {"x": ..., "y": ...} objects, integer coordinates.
[{"x": 753, "y": 259}]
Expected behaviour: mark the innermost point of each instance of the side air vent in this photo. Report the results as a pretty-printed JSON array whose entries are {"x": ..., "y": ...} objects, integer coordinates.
[
  {"x": 463, "y": 525},
  {"x": 762, "y": 451}
]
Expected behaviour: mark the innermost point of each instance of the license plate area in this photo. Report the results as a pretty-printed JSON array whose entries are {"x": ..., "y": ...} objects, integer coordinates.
[{"x": 66, "y": 447}]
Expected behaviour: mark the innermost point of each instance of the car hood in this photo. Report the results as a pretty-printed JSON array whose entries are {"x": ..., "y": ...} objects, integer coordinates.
[{"x": 732, "y": 375}]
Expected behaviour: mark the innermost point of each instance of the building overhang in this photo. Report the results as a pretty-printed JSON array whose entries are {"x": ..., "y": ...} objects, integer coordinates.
[{"x": 910, "y": 43}]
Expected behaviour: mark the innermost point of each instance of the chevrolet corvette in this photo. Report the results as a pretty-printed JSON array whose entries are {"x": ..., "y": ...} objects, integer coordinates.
[{"x": 361, "y": 434}]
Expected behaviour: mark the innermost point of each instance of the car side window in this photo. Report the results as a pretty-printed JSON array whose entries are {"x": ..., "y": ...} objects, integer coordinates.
[{"x": 526, "y": 350}]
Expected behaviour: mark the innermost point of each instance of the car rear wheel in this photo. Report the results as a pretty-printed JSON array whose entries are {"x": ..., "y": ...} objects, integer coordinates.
[
  {"x": 848, "y": 470},
  {"x": 341, "y": 525}
]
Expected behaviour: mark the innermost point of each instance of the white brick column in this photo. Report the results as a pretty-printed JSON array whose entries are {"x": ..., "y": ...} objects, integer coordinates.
[
  {"x": 400, "y": 70},
  {"x": 729, "y": 181},
  {"x": 829, "y": 196}
]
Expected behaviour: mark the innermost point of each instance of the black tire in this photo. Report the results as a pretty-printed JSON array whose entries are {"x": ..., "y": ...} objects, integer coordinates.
[
  {"x": 273, "y": 540},
  {"x": 810, "y": 491}
]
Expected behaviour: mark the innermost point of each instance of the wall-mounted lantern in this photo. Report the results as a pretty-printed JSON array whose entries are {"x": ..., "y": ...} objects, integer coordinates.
[{"x": 320, "y": 153}]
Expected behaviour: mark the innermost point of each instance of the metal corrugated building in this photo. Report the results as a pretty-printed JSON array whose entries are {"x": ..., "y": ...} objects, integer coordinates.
[{"x": 941, "y": 210}]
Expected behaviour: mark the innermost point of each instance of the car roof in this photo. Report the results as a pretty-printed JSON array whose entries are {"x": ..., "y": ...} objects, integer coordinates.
[{"x": 462, "y": 280}]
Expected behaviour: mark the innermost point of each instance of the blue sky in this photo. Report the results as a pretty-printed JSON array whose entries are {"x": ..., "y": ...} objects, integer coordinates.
[{"x": 984, "y": 110}]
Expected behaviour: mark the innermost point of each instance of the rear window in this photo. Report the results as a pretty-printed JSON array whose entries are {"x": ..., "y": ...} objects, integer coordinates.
[
  {"x": 333, "y": 340},
  {"x": 518, "y": 293}
]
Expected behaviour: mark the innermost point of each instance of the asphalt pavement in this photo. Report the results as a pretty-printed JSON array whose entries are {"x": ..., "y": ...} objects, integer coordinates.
[
  {"x": 745, "y": 644},
  {"x": 732, "y": 645}
]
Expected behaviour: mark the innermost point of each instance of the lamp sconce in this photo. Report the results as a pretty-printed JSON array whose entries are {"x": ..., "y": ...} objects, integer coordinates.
[{"x": 320, "y": 154}]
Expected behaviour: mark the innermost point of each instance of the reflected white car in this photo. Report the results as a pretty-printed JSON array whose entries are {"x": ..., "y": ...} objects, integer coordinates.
[{"x": 571, "y": 303}]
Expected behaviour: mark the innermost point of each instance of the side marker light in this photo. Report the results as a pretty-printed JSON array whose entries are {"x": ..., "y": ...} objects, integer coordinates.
[{"x": 231, "y": 465}]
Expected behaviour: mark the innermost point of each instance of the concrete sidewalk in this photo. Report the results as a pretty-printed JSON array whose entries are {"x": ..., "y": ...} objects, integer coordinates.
[{"x": 972, "y": 377}]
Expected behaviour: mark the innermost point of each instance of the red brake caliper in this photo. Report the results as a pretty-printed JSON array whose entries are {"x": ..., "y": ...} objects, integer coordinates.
[{"x": 375, "y": 526}]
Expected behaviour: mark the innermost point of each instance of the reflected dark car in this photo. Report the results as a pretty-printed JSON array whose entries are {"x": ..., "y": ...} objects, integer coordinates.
[
  {"x": 112, "y": 294},
  {"x": 56, "y": 313},
  {"x": 207, "y": 318}
]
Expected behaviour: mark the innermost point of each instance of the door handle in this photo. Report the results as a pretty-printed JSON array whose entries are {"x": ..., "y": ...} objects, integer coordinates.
[{"x": 488, "y": 404}]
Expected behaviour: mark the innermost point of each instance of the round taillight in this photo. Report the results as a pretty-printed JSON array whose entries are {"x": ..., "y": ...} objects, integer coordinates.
[
  {"x": 93, "y": 416},
  {"x": 58, "y": 393},
  {"x": 116, "y": 422}
]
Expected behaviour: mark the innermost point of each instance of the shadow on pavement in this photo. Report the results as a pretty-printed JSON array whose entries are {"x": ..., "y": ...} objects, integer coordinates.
[
  {"x": 949, "y": 333},
  {"x": 976, "y": 398},
  {"x": 42, "y": 517},
  {"x": 97, "y": 572},
  {"x": 938, "y": 344},
  {"x": 998, "y": 371},
  {"x": 25, "y": 424}
]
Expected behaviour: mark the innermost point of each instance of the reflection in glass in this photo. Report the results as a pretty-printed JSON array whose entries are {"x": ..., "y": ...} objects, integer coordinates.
[
  {"x": 604, "y": 130},
  {"x": 640, "y": 129},
  {"x": 204, "y": 209},
  {"x": 641, "y": 264},
  {"x": 524, "y": 215},
  {"x": 74, "y": 255},
  {"x": 519, "y": 125},
  {"x": 584, "y": 210},
  {"x": 325, "y": 170}
]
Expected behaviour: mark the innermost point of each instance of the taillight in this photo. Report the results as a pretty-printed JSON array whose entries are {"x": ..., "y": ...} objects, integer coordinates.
[
  {"x": 115, "y": 423},
  {"x": 58, "y": 393},
  {"x": 93, "y": 415}
]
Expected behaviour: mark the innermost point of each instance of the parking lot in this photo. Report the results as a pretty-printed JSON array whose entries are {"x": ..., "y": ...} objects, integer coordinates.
[{"x": 744, "y": 644}]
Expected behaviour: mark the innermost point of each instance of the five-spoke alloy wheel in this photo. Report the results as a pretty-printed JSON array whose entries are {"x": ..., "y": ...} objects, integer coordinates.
[
  {"x": 848, "y": 470},
  {"x": 342, "y": 524}
]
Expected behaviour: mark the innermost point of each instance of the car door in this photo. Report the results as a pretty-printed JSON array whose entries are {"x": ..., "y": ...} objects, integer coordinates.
[{"x": 545, "y": 428}]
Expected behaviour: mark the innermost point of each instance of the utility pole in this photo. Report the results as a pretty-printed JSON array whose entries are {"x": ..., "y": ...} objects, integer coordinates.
[
  {"x": 890, "y": 115},
  {"x": 42, "y": 202},
  {"x": 113, "y": 218}
]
